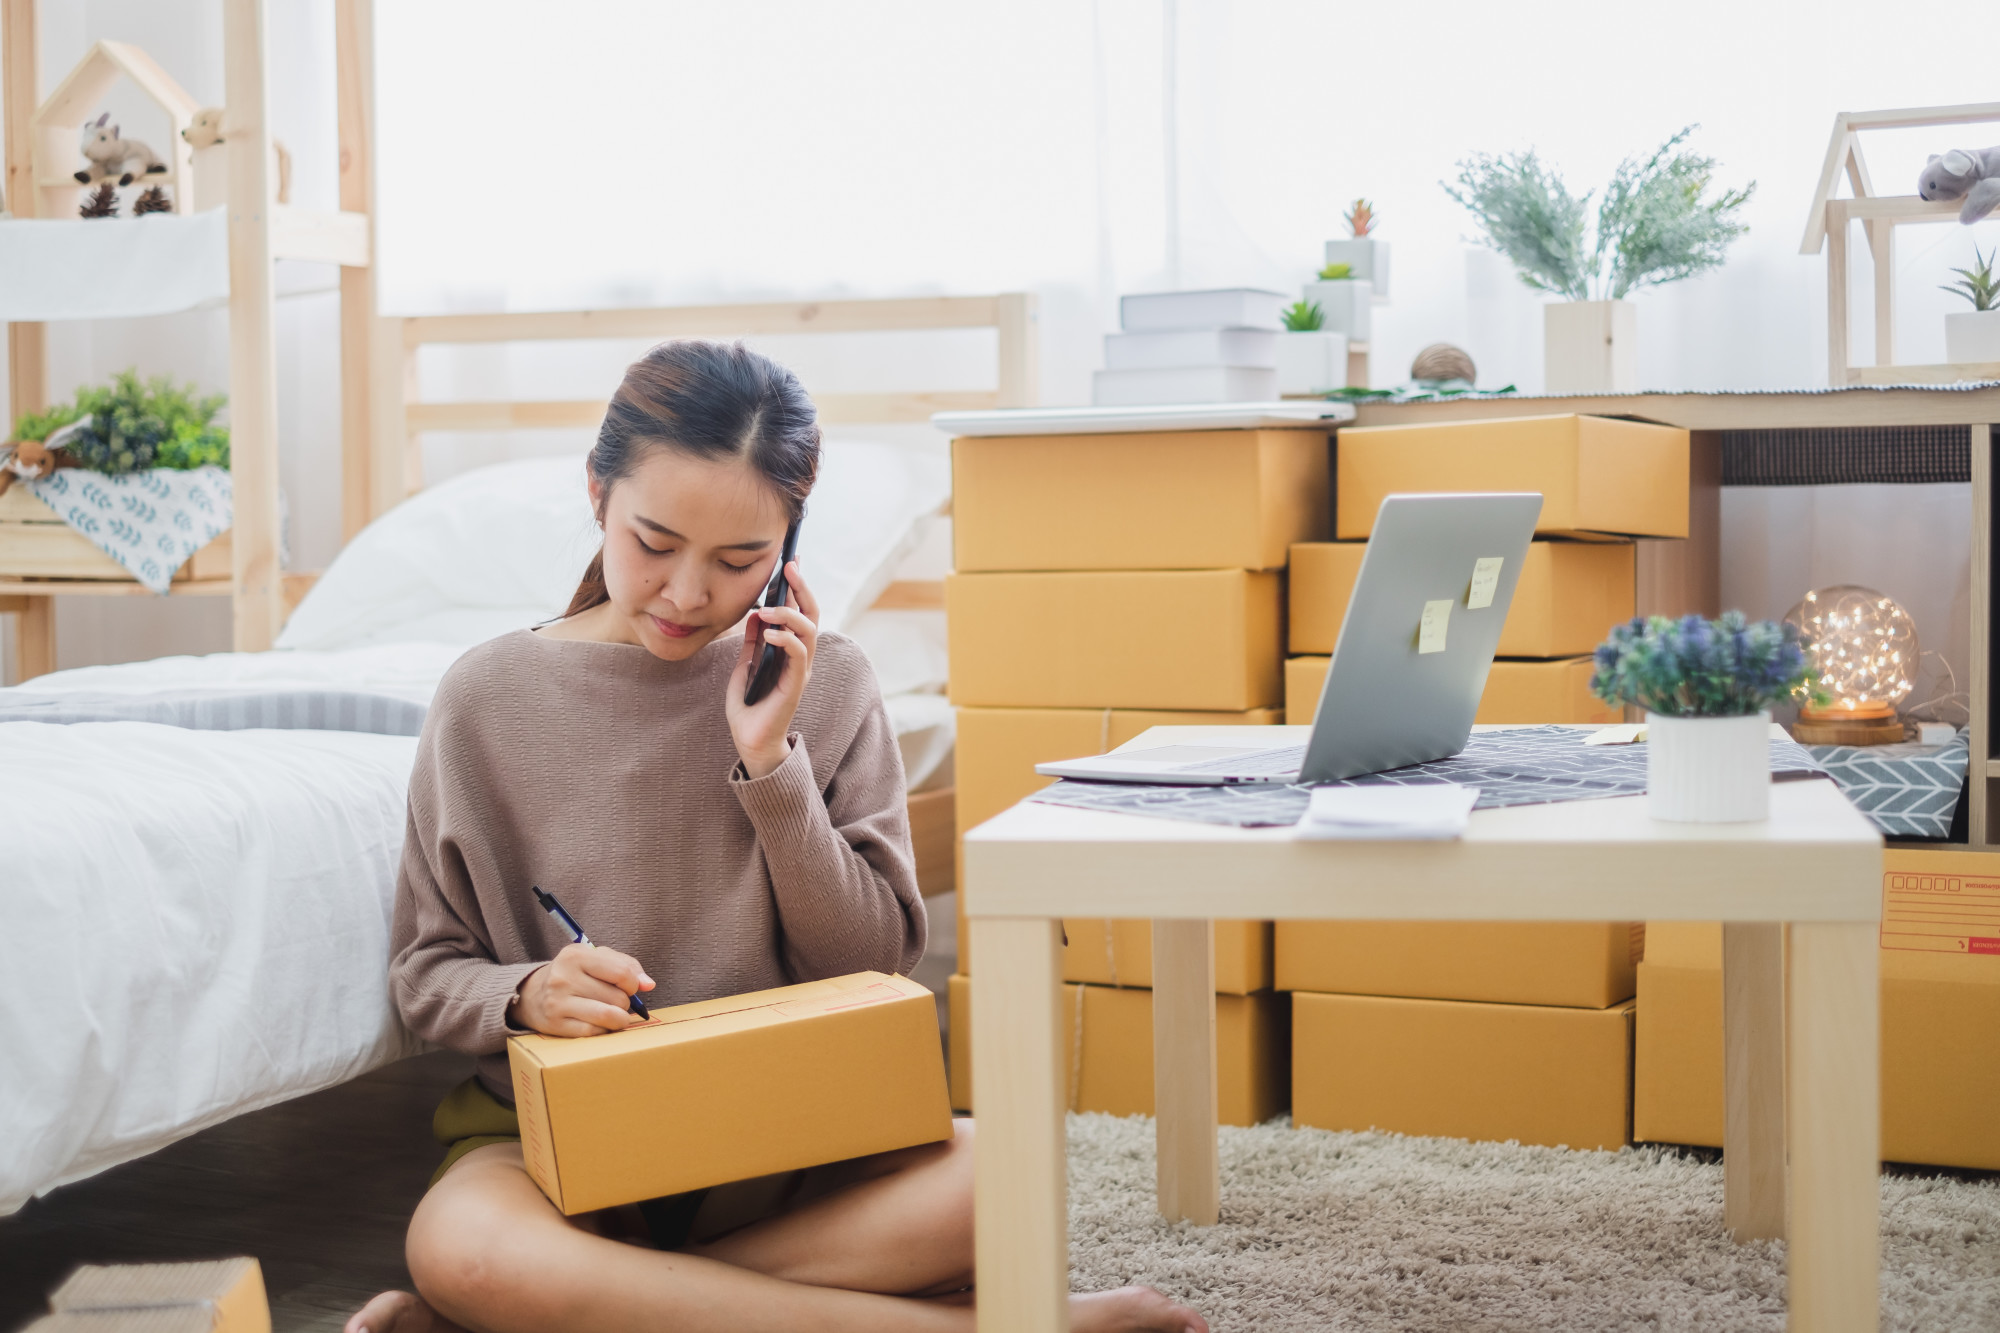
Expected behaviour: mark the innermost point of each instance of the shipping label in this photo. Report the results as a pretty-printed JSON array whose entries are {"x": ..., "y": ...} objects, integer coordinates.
[{"x": 1940, "y": 913}]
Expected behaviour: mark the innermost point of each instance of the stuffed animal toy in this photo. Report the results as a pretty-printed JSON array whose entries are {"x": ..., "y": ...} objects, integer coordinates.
[
  {"x": 204, "y": 133},
  {"x": 113, "y": 158},
  {"x": 34, "y": 459},
  {"x": 1971, "y": 174}
]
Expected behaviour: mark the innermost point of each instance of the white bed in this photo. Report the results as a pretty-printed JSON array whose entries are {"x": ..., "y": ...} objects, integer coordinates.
[{"x": 199, "y": 918}]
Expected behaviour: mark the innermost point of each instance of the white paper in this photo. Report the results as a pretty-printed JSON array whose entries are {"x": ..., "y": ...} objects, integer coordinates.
[
  {"x": 1485, "y": 580},
  {"x": 1430, "y": 631},
  {"x": 1430, "y": 813}
]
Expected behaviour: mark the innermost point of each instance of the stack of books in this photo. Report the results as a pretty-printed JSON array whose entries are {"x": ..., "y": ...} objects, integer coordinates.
[{"x": 1192, "y": 347}]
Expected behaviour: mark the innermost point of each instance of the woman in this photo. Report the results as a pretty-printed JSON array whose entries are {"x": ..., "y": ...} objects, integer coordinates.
[{"x": 714, "y": 848}]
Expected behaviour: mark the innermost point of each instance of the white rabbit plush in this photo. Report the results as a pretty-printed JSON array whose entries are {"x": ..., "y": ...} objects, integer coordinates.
[
  {"x": 211, "y": 162},
  {"x": 1971, "y": 174},
  {"x": 114, "y": 158}
]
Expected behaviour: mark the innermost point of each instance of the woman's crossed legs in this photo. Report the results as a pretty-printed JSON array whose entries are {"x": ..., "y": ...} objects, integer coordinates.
[{"x": 893, "y": 1252}]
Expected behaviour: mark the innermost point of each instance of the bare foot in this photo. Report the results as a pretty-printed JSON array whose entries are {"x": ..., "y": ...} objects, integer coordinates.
[
  {"x": 1128, "y": 1310},
  {"x": 399, "y": 1312}
]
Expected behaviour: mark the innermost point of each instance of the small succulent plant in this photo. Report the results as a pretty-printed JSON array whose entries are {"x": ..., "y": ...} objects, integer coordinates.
[
  {"x": 1304, "y": 316},
  {"x": 1360, "y": 218},
  {"x": 1977, "y": 284},
  {"x": 1693, "y": 667},
  {"x": 1335, "y": 272}
]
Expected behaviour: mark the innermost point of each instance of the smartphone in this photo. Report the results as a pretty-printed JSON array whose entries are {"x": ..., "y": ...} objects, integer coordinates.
[{"x": 771, "y": 662}]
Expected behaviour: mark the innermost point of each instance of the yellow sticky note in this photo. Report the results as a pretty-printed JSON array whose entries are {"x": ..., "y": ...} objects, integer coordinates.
[
  {"x": 1485, "y": 579},
  {"x": 1430, "y": 632}
]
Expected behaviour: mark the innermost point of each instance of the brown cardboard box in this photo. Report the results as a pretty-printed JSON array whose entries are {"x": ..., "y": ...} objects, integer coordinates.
[
  {"x": 1120, "y": 953},
  {"x": 1940, "y": 966},
  {"x": 1112, "y": 1069},
  {"x": 1206, "y": 639},
  {"x": 731, "y": 1089},
  {"x": 208, "y": 1296},
  {"x": 1159, "y": 500},
  {"x": 1568, "y": 597},
  {"x": 1575, "y": 964},
  {"x": 1538, "y": 1074},
  {"x": 998, "y": 748},
  {"x": 1557, "y": 690},
  {"x": 1595, "y": 474}
]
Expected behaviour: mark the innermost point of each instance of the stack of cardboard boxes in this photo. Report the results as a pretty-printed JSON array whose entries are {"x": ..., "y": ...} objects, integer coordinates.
[
  {"x": 1940, "y": 1017},
  {"x": 1104, "y": 584},
  {"x": 1603, "y": 482}
]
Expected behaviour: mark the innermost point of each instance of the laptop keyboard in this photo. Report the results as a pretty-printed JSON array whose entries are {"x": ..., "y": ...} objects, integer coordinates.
[{"x": 1266, "y": 763}]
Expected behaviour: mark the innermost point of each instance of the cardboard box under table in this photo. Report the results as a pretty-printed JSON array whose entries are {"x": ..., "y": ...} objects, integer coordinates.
[
  {"x": 1150, "y": 500},
  {"x": 1206, "y": 639},
  {"x": 1111, "y": 1066},
  {"x": 1568, "y": 597},
  {"x": 731, "y": 1089},
  {"x": 994, "y": 766},
  {"x": 1517, "y": 691},
  {"x": 1587, "y": 965},
  {"x": 1940, "y": 969},
  {"x": 1595, "y": 474}
]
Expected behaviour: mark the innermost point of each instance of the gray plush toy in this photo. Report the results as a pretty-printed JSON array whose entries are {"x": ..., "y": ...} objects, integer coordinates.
[{"x": 1971, "y": 174}]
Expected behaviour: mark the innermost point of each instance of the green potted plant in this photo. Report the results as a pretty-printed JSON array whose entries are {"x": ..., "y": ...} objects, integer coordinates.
[
  {"x": 1705, "y": 686},
  {"x": 1972, "y": 337},
  {"x": 1362, "y": 254},
  {"x": 1311, "y": 360},
  {"x": 1655, "y": 225}
]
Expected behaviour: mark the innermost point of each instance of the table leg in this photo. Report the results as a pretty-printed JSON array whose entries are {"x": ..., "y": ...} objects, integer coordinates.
[
  {"x": 1833, "y": 1121},
  {"x": 1753, "y": 1026},
  {"x": 1184, "y": 1108},
  {"x": 1020, "y": 1204}
]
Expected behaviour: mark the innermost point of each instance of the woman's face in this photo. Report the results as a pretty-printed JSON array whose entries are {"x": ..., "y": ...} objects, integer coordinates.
[{"x": 689, "y": 545}]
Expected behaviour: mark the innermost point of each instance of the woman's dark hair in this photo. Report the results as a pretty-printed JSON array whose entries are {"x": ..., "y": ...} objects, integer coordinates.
[{"x": 711, "y": 400}]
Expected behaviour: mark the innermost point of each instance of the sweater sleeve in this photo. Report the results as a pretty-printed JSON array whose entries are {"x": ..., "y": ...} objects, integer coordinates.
[
  {"x": 443, "y": 973},
  {"x": 841, "y": 866}
]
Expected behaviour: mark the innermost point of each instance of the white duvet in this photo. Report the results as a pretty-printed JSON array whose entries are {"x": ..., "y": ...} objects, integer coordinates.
[{"x": 224, "y": 946}]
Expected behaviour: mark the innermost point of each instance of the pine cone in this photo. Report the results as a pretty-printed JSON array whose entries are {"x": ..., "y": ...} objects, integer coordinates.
[
  {"x": 103, "y": 202},
  {"x": 154, "y": 200}
]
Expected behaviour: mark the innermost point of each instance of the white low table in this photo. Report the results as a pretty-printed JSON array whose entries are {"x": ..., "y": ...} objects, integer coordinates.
[{"x": 1813, "y": 870}]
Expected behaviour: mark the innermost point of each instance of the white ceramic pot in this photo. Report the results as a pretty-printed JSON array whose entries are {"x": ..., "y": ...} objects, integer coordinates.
[
  {"x": 1709, "y": 770},
  {"x": 1346, "y": 303},
  {"x": 1972, "y": 337},
  {"x": 1365, "y": 258},
  {"x": 1311, "y": 362},
  {"x": 1590, "y": 347}
]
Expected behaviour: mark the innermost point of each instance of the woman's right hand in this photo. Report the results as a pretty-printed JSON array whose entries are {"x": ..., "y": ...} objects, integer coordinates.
[{"x": 583, "y": 991}]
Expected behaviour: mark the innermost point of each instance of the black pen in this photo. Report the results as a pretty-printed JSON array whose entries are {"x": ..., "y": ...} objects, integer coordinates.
[{"x": 568, "y": 923}]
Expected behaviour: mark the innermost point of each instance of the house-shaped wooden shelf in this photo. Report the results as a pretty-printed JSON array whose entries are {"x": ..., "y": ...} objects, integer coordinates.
[
  {"x": 57, "y": 123},
  {"x": 1827, "y": 228}
]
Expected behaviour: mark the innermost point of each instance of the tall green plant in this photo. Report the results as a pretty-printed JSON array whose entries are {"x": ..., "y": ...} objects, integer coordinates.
[{"x": 1654, "y": 225}]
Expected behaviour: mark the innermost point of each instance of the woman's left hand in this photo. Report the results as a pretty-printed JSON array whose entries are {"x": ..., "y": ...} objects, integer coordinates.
[{"x": 760, "y": 729}]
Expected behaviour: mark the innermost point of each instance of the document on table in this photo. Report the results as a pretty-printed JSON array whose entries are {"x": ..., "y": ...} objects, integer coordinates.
[{"x": 1434, "y": 812}]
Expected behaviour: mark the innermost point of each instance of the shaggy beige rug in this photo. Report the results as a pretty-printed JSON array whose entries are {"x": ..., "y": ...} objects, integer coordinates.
[{"x": 1378, "y": 1231}]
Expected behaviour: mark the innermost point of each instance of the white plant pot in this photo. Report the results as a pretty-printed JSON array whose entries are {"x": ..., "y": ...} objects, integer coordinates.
[
  {"x": 1365, "y": 258},
  {"x": 1972, "y": 337},
  {"x": 1311, "y": 362},
  {"x": 1709, "y": 770},
  {"x": 1346, "y": 303},
  {"x": 1590, "y": 347}
]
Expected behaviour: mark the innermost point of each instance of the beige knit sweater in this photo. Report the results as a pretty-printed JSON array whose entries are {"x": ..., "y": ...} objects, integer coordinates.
[{"x": 608, "y": 777}]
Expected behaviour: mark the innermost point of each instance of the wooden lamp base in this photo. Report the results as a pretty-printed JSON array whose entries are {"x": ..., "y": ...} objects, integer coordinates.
[{"x": 1876, "y": 724}]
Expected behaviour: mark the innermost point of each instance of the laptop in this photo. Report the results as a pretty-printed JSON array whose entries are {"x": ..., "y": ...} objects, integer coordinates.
[{"x": 1409, "y": 666}]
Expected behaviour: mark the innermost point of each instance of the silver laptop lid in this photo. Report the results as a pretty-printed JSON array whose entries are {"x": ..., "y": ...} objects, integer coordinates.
[{"x": 1421, "y": 626}]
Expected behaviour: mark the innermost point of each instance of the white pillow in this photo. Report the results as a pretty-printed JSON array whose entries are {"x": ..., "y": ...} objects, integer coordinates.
[{"x": 502, "y": 547}]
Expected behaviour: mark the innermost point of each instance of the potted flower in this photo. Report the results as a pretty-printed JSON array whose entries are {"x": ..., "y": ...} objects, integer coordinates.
[
  {"x": 1654, "y": 226},
  {"x": 1705, "y": 685},
  {"x": 1972, "y": 337},
  {"x": 1311, "y": 360},
  {"x": 1362, "y": 255}
]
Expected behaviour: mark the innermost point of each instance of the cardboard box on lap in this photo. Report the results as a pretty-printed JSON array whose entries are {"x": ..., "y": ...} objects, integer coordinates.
[
  {"x": 1568, "y": 597},
  {"x": 1595, "y": 474},
  {"x": 206, "y": 1296},
  {"x": 1112, "y": 1066},
  {"x": 1587, "y": 965},
  {"x": 1940, "y": 968},
  {"x": 1156, "y": 500},
  {"x": 1205, "y": 639},
  {"x": 1516, "y": 691},
  {"x": 1533, "y": 1073},
  {"x": 731, "y": 1089}
]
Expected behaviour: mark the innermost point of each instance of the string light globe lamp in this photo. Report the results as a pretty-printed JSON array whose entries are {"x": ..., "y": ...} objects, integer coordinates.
[{"x": 1863, "y": 647}]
